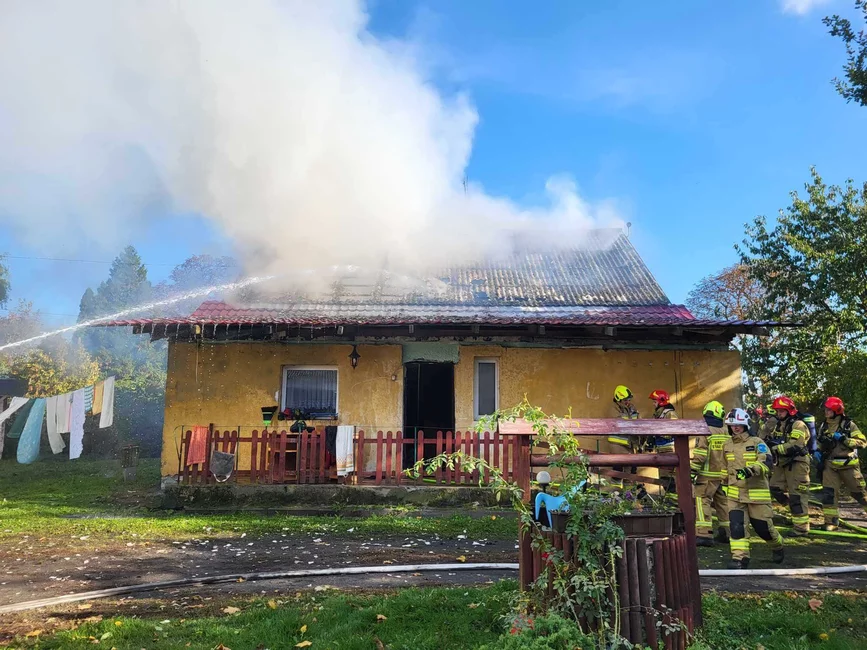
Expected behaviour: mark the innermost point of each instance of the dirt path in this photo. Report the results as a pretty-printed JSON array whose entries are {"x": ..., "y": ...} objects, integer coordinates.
[{"x": 35, "y": 568}]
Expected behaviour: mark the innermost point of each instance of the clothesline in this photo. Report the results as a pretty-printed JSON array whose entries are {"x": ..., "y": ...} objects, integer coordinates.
[{"x": 63, "y": 413}]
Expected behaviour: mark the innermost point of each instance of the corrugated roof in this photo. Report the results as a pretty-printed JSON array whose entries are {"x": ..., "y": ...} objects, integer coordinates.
[{"x": 604, "y": 282}]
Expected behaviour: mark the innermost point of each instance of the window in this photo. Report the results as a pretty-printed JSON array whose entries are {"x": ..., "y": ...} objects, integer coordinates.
[
  {"x": 486, "y": 388},
  {"x": 311, "y": 389}
]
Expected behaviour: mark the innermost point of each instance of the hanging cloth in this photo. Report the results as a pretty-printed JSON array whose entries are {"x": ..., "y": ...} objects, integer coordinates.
[
  {"x": 98, "y": 390},
  {"x": 61, "y": 412},
  {"x": 106, "y": 416},
  {"x": 345, "y": 450},
  {"x": 20, "y": 418},
  {"x": 17, "y": 403},
  {"x": 28, "y": 446},
  {"x": 54, "y": 437},
  {"x": 76, "y": 425},
  {"x": 88, "y": 400},
  {"x": 198, "y": 445}
]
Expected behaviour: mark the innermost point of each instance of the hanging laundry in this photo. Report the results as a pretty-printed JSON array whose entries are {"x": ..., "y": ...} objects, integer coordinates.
[
  {"x": 20, "y": 418},
  {"x": 28, "y": 446},
  {"x": 345, "y": 447},
  {"x": 98, "y": 390},
  {"x": 88, "y": 400},
  {"x": 76, "y": 425},
  {"x": 17, "y": 403},
  {"x": 54, "y": 437},
  {"x": 106, "y": 416},
  {"x": 61, "y": 412},
  {"x": 198, "y": 449}
]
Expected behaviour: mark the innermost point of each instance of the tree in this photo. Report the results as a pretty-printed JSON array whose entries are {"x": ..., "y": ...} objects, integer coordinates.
[
  {"x": 853, "y": 87},
  {"x": 196, "y": 273},
  {"x": 138, "y": 365},
  {"x": 4, "y": 282},
  {"x": 735, "y": 294},
  {"x": 54, "y": 368},
  {"x": 813, "y": 264}
]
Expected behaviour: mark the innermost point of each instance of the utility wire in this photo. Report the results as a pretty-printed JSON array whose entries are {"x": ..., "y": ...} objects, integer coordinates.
[{"x": 66, "y": 259}]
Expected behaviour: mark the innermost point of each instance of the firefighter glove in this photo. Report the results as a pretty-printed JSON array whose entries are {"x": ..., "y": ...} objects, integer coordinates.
[
  {"x": 818, "y": 456},
  {"x": 743, "y": 473},
  {"x": 838, "y": 435}
]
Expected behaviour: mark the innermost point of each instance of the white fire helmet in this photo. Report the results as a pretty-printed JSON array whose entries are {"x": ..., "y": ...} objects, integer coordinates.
[{"x": 738, "y": 417}]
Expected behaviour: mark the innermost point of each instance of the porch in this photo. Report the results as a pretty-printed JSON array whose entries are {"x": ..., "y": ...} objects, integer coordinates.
[{"x": 283, "y": 457}]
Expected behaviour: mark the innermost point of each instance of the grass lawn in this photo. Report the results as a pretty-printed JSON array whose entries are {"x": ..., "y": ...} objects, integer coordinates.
[
  {"x": 89, "y": 498},
  {"x": 448, "y": 618}
]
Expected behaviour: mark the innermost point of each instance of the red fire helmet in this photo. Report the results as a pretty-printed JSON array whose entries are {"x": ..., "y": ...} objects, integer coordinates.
[
  {"x": 660, "y": 396},
  {"x": 835, "y": 404},
  {"x": 784, "y": 403}
]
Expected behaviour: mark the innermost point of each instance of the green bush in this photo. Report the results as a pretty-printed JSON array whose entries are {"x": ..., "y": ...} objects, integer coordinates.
[{"x": 550, "y": 632}]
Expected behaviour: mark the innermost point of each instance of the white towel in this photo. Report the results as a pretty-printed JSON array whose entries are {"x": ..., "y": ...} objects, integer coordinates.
[
  {"x": 106, "y": 418},
  {"x": 61, "y": 412},
  {"x": 17, "y": 403},
  {"x": 76, "y": 425},
  {"x": 54, "y": 437},
  {"x": 345, "y": 450}
]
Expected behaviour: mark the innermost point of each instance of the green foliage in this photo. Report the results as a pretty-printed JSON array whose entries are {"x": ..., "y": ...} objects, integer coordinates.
[
  {"x": 811, "y": 265},
  {"x": 63, "y": 367},
  {"x": 853, "y": 87},
  {"x": 550, "y": 632},
  {"x": 585, "y": 584}
]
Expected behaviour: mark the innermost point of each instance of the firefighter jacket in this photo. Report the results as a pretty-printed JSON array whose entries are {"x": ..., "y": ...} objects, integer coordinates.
[
  {"x": 842, "y": 452},
  {"x": 767, "y": 427},
  {"x": 789, "y": 441},
  {"x": 625, "y": 411},
  {"x": 743, "y": 451},
  {"x": 708, "y": 460},
  {"x": 664, "y": 444}
]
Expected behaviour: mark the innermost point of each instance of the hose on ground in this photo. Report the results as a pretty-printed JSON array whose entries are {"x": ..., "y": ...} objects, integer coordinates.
[
  {"x": 401, "y": 568},
  {"x": 245, "y": 577}
]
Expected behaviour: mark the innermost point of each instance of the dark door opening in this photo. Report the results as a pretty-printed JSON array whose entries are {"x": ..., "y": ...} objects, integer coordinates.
[{"x": 428, "y": 403}]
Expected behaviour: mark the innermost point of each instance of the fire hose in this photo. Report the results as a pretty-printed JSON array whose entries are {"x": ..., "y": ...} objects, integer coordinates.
[{"x": 402, "y": 568}]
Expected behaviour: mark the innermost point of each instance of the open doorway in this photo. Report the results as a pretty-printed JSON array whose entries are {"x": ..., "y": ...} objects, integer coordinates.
[{"x": 428, "y": 403}]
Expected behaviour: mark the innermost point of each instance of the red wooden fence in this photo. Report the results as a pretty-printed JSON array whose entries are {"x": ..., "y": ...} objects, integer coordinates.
[
  {"x": 275, "y": 457},
  {"x": 284, "y": 457},
  {"x": 379, "y": 460}
]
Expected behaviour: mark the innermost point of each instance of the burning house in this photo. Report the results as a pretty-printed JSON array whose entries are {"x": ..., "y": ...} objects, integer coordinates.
[{"x": 410, "y": 366}]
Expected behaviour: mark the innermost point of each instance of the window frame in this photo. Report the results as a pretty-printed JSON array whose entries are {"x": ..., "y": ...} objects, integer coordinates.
[
  {"x": 284, "y": 376},
  {"x": 476, "y": 362}
]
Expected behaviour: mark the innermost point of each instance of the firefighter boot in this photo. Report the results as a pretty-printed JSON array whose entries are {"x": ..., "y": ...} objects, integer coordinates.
[
  {"x": 778, "y": 556},
  {"x": 743, "y": 563}
]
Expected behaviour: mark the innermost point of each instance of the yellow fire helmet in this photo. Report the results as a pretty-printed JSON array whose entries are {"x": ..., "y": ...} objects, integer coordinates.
[
  {"x": 622, "y": 393},
  {"x": 714, "y": 409}
]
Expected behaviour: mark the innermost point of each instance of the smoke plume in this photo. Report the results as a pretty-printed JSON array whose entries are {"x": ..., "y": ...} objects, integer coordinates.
[{"x": 305, "y": 139}]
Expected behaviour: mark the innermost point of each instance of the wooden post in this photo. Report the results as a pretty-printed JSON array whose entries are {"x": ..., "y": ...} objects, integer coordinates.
[{"x": 685, "y": 501}]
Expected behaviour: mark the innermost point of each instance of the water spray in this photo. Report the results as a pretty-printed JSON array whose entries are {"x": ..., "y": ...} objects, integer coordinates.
[{"x": 198, "y": 293}]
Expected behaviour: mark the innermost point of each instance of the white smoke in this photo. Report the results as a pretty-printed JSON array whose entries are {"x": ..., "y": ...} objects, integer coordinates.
[{"x": 305, "y": 139}]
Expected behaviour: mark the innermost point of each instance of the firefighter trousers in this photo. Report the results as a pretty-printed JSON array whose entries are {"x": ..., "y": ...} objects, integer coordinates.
[
  {"x": 790, "y": 486},
  {"x": 710, "y": 499},
  {"x": 760, "y": 516},
  {"x": 835, "y": 478}
]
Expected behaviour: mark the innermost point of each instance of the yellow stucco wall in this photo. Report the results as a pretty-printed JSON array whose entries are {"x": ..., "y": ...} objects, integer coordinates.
[{"x": 226, "y": 384}]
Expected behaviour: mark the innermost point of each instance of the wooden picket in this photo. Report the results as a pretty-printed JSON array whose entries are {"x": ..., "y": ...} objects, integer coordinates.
[{"x": 379, "y": 458}]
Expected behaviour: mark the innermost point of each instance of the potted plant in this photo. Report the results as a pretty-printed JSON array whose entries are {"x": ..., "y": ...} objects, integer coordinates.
[{"x": 646, "y": 516}]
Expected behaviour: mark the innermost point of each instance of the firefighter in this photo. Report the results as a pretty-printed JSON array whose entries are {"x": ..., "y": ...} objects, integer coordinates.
[
  {"x": 622, "y": 443},
  {"x": 790, "y": 482},
  {"x": 663, "y": 409},
  {"x": 708, "y": 468},
  {"x": 748, "y": 463},
  {"x": 767, "y": 422},
  {"x": 839, "y": 440}
]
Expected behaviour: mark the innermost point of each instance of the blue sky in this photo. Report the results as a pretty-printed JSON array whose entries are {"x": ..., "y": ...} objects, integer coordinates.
[{"x": 692, "y": 117}]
